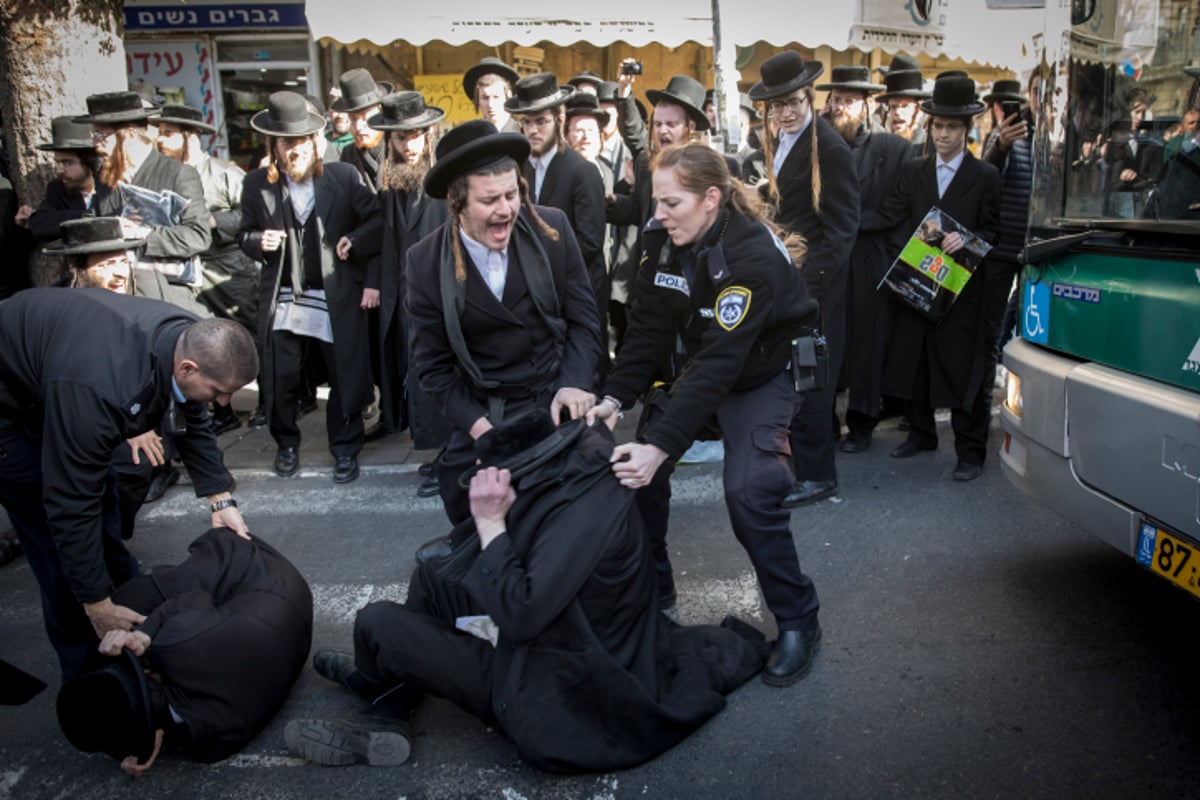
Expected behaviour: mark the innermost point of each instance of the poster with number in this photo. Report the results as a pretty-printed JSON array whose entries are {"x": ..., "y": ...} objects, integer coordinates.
[
  {"x": 446, "y": 92},
  {"x": 182, "y": 69}
]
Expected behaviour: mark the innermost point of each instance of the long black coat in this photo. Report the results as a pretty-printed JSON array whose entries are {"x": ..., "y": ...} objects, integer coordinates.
[
  {"x": 230, "y": 629},
  {"x": 408, "y": 217},
  {"x": 58, "y": 206},
  {"x": 954, "y": 349},
  {"x": 587, "y": 675},
  {"x": 508, "y": 340},
  {"x": 344, "y": 206},
  {"x": 92, "y": 368},
  {"x": 870, "y": 312}
]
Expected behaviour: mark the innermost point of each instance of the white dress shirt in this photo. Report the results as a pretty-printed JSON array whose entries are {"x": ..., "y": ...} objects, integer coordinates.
[
  {"x": 492, "y": 264},
  {"x": 946, "y": 171}
]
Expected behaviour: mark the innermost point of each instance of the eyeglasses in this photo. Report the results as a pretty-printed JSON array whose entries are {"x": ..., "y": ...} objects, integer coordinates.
[
  {"x": 794, "y": 105},
  {"x": 100, "y": 135}
]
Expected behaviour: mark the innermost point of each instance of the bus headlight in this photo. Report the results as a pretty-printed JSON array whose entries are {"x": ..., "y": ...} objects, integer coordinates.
[{"x": 1012, "y": 397}]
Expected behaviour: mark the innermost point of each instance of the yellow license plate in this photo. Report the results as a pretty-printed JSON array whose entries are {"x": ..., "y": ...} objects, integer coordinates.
[{"x": 1171, "y": 556}]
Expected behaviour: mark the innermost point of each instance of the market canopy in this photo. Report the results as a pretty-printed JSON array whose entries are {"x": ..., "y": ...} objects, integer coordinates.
[{"x": 973, "y": 30}]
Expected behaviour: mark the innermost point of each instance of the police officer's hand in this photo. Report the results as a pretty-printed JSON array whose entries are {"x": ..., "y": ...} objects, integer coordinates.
[
  {"x": 229, "y": 517},
  {"x": 491, "y": 495},
  {"x": 635, "y": 464},
  {"x": 577, "y": 402},
  {"x": 105, "y": 616},
  {"x": 149, "y": 444},
  {"x": 114, "y": 641}
]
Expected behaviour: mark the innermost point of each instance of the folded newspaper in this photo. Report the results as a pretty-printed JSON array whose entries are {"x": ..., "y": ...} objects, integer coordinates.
[
  {"x": 164, "y": 209},
  {"x": 925, "y": 278}
]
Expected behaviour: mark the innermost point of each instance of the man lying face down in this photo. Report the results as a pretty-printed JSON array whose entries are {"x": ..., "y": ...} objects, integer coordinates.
[
  {"x": 225, "y": 637},
  {"x": 543, "y": 623}
]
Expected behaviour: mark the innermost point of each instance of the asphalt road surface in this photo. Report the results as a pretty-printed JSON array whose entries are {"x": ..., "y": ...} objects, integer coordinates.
[{"x": 975, "y": 646}]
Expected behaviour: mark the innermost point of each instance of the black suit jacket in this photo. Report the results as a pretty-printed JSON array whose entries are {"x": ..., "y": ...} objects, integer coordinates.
[{"x": 57, "y": 207}]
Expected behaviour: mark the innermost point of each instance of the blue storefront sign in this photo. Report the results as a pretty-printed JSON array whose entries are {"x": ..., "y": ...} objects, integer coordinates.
[{"x": 215, "y": 17}]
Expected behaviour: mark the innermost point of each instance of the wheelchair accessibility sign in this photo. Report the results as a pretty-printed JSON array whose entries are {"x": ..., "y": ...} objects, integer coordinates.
[{"x": 1035, "y": 312}]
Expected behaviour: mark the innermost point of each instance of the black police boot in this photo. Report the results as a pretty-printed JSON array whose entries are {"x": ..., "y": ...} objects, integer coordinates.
[{"x": 791, "y": 656}]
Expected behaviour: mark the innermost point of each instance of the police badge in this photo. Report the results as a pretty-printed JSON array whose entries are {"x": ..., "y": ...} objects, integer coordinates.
[{"x": 732, "y": 305}]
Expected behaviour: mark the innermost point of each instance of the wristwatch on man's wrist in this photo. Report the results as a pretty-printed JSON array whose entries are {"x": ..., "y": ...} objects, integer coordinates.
[{"x": 228, "y": 502}]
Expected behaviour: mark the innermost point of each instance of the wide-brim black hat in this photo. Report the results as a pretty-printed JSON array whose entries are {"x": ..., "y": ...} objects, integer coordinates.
[
  {"x": 904, "y": 83},
  {"x": 359, "y": 91},
  {"x": 900, "y": 62},
  {"x": 953, "y": 96},
  {"x": 1005, "y": 90},
  {"x": 586, "y": 76},
  {"x": 535, "y": 93},
  {"x": 609, "y": 92},
  {"x": 784, "y": 73},
  {"x": 113, "y": 108},
  {"x": 853, "y": 79},
  {"x": 523, "y": 443},
  {"x": 468, "y": 147},
  {"x": 67, "y": 134},
  {"x": 685, "y": 92},
  {"x": 92, "y": 235},
  {"x": 287, "y": 114},
  {"x": 404, "y": 111},
  {"x": 107, "y": 708},
  {"x": 184, "y": 117},
  {"x": 487, "y": 66},
  {"x": 582, "y": 104}
]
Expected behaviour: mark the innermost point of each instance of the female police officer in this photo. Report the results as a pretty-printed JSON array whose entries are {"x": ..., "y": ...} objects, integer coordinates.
[{"x": 714, "y": 275}]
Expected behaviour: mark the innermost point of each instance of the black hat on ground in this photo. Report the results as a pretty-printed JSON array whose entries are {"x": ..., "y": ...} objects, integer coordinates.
[
  {"x": 686, "y": 92},
  {"x": 107, "y": 707},
  {"x": 469, "y": 147},
  {"x": 853, "y": 79},
  {"x": 523, "y": 443},
  {"x": 287, "y": 114},
  {"x": 184, "y": 117},
  {"x": 784, "y": 73},
  {"x": 535, "y": 93},
  {"x": 582, "y": 104},
  {"x": 953, "y": 96},
  {"x": 904, "y": 83},
  {"x": 359, "y": 91},
  {"x": 67, "y": 134},
  {"x": 586, "y": 76},
  {"x": 900, "y": 62},
  {"x": 404, "y": 111},
  {"x": 114, "y": 108},
  {"x": 92, "y": 235},
  {"x": 487, "y": 66}
]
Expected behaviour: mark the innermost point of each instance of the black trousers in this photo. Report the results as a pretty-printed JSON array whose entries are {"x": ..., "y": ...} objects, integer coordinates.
[
  {"x": 68, "y": 627},
  {"x": 970, "y": 424},
  {"x": 757, "y": 477},
  {"x": 292, "y": 354}
]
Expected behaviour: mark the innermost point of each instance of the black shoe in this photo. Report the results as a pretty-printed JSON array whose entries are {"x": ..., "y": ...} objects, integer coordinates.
[
  {"x": 429, "y": 488},
  {"x": 855, "y": 442},
  {"x": 336, "y": 666},
  {"x": 258, "y": 419},
  {"x": 806, "y": 492},
  {"x": 164, "y": 478},
  {"x": 345, "y": 470},
  {"x": 434, "y": 550},
  {"x": 791, "y": 656},
  {"x": 287, "y": 461},
  {"x": 427, "y": 469},
  {"x": 966, "y": 471},
  {"x": 359, "y": 739},
  {"x": 307, "y": 405},
  {"x": 908, "y": 448},
  {"x": 223, "y": 423}
]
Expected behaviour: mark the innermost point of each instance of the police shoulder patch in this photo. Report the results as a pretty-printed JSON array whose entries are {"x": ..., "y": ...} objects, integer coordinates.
[{"x": 732, "y": 305}]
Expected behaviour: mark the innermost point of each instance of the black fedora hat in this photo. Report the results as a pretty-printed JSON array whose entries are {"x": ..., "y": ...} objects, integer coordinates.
[
  {"x": 900, "y": 62},
  {"x": 287, "y": 114},
  {"x": 535, "y": 93},
  {"x": 1005, "y": 90},
  {"x": 852, "y": 78},
  {"x": 359, "y": 91},
  {"x": 184, "y": 117},
  {"x": 686, "y": 92},
  {"x": 487, "y": 66},
  {"x": 468, "y": 147},
  {"x": 586, "y": 76},
  {"x": 582, "y": 104},
  {"x": 67, "y": 134},
  {"x": 404, "y": 111},
  {"x": 113, "y": 108},
  {"x": 784, "y": 73},
  {"x": 107, "y": 707},
  {"x": 953, "y": 96},
  {"x": 608, "y": 92},
  {"x": 523, "y": 443},
  {"x": 904, "y": 83},
  {"x": 92, "y": 235}
]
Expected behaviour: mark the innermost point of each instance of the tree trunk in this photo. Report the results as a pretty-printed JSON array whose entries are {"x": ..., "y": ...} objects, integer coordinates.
[{"x": 53, "y": 54}]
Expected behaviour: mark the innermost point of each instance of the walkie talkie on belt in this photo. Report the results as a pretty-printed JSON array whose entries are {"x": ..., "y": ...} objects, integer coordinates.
[{"x": 810, "y": 362}]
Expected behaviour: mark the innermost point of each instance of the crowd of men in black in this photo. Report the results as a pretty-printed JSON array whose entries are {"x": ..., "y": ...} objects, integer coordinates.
[{"x": 498, "y": 291}]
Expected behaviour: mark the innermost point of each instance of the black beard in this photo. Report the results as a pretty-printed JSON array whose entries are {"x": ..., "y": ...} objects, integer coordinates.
[{"x": 405, "y": 177}]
